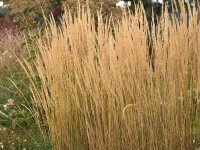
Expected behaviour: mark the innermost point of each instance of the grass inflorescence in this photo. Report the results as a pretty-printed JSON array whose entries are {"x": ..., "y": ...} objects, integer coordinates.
[{"x": 118, "y": 85}]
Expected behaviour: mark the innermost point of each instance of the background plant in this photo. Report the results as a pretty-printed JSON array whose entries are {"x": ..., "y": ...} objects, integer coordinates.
[{"x": 18, "y": 129}]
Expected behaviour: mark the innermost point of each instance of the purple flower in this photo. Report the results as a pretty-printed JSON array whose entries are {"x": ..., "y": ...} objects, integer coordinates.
[
  {"x": 57, "y": 10},
  {"x": 1, "y": 21},
  {"x": 8, "y": 24}
]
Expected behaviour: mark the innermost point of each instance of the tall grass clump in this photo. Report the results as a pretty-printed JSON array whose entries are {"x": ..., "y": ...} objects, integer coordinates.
[{"x": 118, "y": 85}]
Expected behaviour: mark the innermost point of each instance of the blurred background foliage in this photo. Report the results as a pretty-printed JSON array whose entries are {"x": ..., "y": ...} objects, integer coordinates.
[{"x": 25, "y": 14}]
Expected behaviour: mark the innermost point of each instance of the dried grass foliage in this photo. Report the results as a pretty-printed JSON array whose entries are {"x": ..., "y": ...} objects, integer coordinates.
[{"x": 98, "y": 89}]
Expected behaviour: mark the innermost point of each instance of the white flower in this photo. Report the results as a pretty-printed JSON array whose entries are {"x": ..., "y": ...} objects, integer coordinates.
[
  {"x": 193, "y": 141},
  {"x": 6, "y": 5},
  {"x": 5, "y": 107},
  {"x": 190, "y": 2},
  {"x": 123, "y": 4},
  {"x": 9, "y": 104},
  {"x": 157, "y": 1},
  {"x": 129, "y": 3},
  {"x": 1, "y": 3},
  {"x": 2, "y": 146}
]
